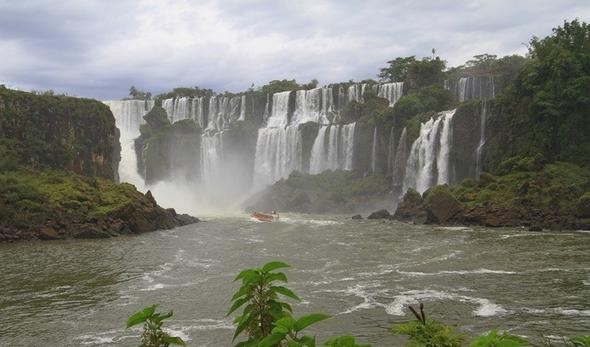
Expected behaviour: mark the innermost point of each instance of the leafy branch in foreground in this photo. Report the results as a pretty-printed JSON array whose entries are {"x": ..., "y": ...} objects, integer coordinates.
[
  {"x": 153, "y": 335},
  {"x": 268, "y": 321},
  {"x": 494, "y": 339},
  {"x": 428, "y": 332}
]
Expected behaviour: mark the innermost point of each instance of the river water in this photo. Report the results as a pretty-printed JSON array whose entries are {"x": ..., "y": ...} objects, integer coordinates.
[{"x": 363, "y": 273}]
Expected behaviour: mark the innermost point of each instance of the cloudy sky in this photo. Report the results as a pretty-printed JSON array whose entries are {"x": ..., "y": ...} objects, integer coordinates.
[{"x": 98, "y": 48}]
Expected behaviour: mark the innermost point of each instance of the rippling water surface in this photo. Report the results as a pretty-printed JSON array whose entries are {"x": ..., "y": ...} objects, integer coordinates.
[{"x": 79, "y": 293}]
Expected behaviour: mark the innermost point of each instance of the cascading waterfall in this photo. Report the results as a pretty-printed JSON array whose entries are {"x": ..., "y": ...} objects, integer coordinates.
[
  {"x": 211, "y": 150},
  {"x": 399, "y": 166},
  {"x": 333, "y": 148},
  {"x": 128, "y": 118},
  {"x": 472, "y": 87},
  {"x": 278, "y": 146},
  {"x": 314, "y": 105},
  {"x": 374, "y": 152},
  {"x": 428, "y": 161},
  {"x": 482, "y": 139},
  {"x": 278, "y": 153},
  {"x": 391, "y": 91}
]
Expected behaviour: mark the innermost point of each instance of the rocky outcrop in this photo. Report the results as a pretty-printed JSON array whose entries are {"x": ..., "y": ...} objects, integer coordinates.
[
  {"x": 164, "y": 148},
  {"x": 548, "y": 198},
  {"x": 411, "y": 208},
  {"x": 328, "y": 192},
  {"x": 441, "y": 205},
  {"x": 380, "y": 214},
  {"x": 100, "y": 209},
  {"x": 57, "y": 132}
]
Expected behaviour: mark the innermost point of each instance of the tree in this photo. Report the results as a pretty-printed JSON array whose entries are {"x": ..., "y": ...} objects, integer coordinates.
[{"x": 416, "y": 73}]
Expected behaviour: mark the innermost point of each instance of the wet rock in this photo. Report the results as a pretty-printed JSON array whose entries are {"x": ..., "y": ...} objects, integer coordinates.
[
  {"x": 441, "y": 205},
  {"x": 411, "y": 208},
  {"x": 47, "y": 233},
  {"x": 381, "y": 214},
  {"x": 357, "y": 216}
]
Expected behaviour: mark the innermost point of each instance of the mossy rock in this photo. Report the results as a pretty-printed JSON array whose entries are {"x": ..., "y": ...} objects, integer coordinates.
[{"x": 441, "y": 204}]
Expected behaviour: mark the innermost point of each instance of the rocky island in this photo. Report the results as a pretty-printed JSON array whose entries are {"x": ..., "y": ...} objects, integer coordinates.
[{"x": 59, "y": 157}]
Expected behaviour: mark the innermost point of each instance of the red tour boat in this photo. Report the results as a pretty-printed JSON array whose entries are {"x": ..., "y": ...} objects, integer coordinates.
[{"x": 266, "y": 217}]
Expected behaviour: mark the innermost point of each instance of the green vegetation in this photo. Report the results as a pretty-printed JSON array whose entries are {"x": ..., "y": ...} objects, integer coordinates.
[
  {"x": 137, "y": 94},
  {"x": 153, "y": 335},
  {"x": 545, "y": 110},
  {"x": 428, "y": 332},
  {"x": 413, "y": 72},
  {"x": 29, "y": 198},
  {"x": 57, "y": 132},
  {"x": 329, "y": 191},
  {"x": 276, "y": 86},
  {"x": 556, "y": 187}
]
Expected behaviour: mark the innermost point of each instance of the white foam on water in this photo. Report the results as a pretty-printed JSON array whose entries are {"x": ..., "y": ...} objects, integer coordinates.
[
  {"x": 488, "y": 308},
  {"x": 457, "y": 272},
  {"x": 558, "y": 311},
  {"x": 398, "y": 307},
  {"x": 453, "y": 228}
]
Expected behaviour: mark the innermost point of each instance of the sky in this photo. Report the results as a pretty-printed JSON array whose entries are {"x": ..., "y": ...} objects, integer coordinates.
[{"x": 99, "y": 48}]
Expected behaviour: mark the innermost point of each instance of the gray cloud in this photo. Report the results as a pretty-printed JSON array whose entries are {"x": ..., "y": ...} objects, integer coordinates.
[{"x": 99, "y": 48}]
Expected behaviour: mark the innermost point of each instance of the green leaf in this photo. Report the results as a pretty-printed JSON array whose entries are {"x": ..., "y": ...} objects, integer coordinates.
[
  {"x": 242, "y": 326},
  {"x": 285, "y": 291},
  {"x": 158, "y": 318},
  {"x": 294, "y": 344},
  {"x": 173, "y": 340},
  {"x": 241, "y": 292},
  {"x": 307, "y": 341},
  {"x": 343, "y": 341},
  {"x": 141, "y": 316},
  {"x": 287, "y": 307},
  {"x": 279, "y": 276},
  {"x": 580, "y": 341},
  {"x": 248, "y": 273},
  {"x": 273, "y": 265},
  {"x": 308, "y": 320},
  {"x": 238, "y": 303},
  {"x": 271, "y": 340},
  {"x": 286, "y": 322}
]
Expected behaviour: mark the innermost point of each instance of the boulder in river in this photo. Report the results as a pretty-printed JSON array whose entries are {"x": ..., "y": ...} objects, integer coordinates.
[{"x": 381, "y": 214}]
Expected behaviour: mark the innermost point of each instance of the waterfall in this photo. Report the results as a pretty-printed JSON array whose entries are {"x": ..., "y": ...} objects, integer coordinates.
[
  {"x": 374, "y": 152},
  {"x": 428, "y": 161},
  {"x": 128, "y": 117},
  {"x": 333, "y": 148},
  {"x": 279, "y": 116},
  {"x": 390, "y": 151},
  {"x": 318, "y": 152},
  {"x": 462, "y": 88},
  {"x": 399, "y": 165},
  {"x": 391, "y": 91},
  {"x": 442, "y": 159},
  {"x": 211, "y": 158},
  {"x": 278, "y": 153},
  {"x": 314, "y": 105},
  {"x": 242, "y": 108},
  {"x": 482, "y": 139},
  {"x": 473, "y": 87}
]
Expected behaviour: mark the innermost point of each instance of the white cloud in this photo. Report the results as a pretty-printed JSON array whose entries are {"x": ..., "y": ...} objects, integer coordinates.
[{"x": 97, "y": 48}]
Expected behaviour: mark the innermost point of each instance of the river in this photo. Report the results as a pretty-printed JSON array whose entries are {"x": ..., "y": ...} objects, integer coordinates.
[{"x": 363, "y": 273}]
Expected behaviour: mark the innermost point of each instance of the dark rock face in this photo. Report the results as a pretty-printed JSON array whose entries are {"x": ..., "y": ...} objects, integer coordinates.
[
  {"x": 163, "y": 147},
  {"x": 441, "y": 205},
  {"x": 381, "y": 214},
  {"x": 58, "y": 132},
  {"x": 411, "y": 208},
  {"x": 143, "y": 215},
  {"x": 357, "y": 217}
]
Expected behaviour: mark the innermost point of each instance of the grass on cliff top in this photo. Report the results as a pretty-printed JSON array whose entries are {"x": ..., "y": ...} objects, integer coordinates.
[
  {"x": 556, "y": 186},
  {"x": 31, "y": 197}
]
